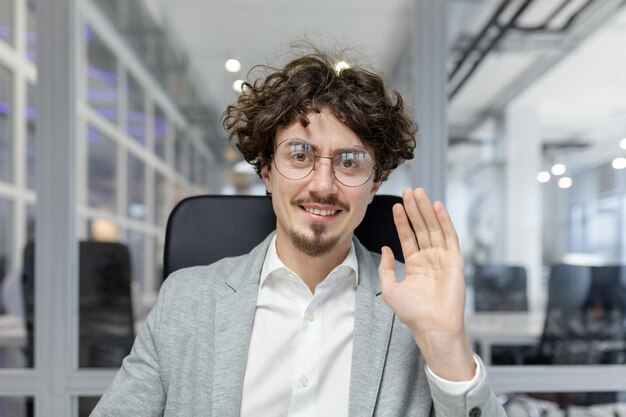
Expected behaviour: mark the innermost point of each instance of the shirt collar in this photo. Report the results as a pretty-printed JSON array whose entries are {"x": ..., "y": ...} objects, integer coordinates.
[{"x": 273, "y": 263}]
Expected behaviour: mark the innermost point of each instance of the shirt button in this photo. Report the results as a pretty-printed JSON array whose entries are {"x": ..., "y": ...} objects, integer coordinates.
[
  {"x": 304, "y": 381},
  {"x": 475, "y": 412},
  {"x": 310, "y": 316}
]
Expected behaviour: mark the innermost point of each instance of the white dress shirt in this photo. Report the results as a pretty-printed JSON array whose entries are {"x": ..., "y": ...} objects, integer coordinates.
[{"x": 300, "y": 352}]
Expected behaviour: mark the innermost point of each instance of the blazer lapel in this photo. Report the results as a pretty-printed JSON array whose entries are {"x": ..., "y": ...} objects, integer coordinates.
[
  {"x": 234, "y": 315},
  {"x": 373, "y": 321}
]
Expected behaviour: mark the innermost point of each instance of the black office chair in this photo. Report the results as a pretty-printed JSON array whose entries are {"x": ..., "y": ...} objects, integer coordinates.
[
  {"x": 106, "y": 326},
  {"x": 197, "y": 224},
  {"x": 500, "y": 288},
  {"x": 584, "y": 324},
  {"x": 584, "y": 316},
  {"x": 106, "y": 321}
]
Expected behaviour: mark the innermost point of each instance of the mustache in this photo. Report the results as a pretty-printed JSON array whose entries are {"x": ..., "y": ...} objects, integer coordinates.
[{"x": 314, "y": 198}]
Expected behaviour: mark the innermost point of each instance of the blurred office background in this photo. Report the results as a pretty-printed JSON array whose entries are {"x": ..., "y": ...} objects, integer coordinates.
[{"x": 110, "y": 115}]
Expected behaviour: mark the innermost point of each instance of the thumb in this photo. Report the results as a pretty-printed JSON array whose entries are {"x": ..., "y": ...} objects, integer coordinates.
[{"x": 386, "y": 271}]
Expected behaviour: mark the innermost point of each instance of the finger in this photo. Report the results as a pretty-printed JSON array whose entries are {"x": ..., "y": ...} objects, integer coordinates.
[
  {"x": 425, "y": 206},
  {"x": 405, "y": 233},
  {"x": 386, "y": 271},
  {"x": 449, "y": 231},
  {"x": 419, "y": 225}
]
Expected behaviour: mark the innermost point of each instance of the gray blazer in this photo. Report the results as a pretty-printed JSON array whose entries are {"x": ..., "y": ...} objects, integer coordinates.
[{"x": 189, "y": 357}]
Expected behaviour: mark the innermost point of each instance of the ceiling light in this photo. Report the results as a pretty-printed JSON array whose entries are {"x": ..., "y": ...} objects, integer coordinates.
[
  {"x": 558, "y": 169},
  {"x": 565, "y": 182},
  {"x": 619, "y": 163},
  {"x": 237, "y": 85},
  {"x": 232, "y": 65},
  {"x": 340, "y": 66},
  {"x": 543, "y": 177},
  {"x": 104, "y": 230},
  {"x": 622, "y": 143}
]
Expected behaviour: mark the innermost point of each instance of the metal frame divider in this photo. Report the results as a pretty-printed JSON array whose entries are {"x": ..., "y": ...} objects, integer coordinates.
[
  {"x": 56, "y": 266},
  {"x": 429, "y": 48}
]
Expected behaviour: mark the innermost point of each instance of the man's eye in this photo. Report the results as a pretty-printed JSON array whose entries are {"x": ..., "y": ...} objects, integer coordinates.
[
  {"x": 300, "y": 157},
  {"x": 348, "y": 163},
  {"x": 349, "y": 160}
]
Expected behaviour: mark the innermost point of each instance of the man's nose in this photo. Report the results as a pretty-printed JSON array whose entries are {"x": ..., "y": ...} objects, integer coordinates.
[{"x": 323, "y": 180}]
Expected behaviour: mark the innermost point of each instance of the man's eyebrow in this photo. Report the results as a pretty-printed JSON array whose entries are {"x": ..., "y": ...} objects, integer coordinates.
[
  {"x": 302, "y": 140},
  {"x": 333, "y": 151}
]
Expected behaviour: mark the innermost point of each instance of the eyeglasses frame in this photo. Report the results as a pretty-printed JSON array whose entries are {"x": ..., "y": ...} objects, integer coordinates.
[{"x": 332, "y": 166}]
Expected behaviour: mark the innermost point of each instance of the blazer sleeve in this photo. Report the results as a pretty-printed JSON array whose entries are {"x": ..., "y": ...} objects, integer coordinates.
[
  {"x": 478, "y": 401},
  {"x": 137, "y": 389}
]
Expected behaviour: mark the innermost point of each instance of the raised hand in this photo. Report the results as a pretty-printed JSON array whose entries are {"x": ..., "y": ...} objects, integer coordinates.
[{"x": 430, "y": 299}]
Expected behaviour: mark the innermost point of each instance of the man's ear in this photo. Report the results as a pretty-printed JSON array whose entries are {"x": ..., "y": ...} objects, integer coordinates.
[
  {"x": 375, "y": 188},
  {"x": 266, "y": 176}
]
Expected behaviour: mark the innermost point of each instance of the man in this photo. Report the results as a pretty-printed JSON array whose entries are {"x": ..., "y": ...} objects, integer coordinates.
[{"x": 310, "y": 323}]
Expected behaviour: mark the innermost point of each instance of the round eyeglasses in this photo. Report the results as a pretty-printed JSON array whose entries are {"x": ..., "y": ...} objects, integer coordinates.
[{"x": 295, "y": 159}]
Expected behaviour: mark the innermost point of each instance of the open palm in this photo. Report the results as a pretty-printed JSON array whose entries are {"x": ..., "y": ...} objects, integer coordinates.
[{"x": 430, "y": 298}]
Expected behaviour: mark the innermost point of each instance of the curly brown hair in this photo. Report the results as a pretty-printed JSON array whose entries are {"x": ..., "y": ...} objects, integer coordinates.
[{"x": 353, "y": 95}]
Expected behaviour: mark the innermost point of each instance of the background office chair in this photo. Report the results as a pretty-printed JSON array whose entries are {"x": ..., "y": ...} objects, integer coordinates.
[
  {"x": 500, "y": 288},
  {"x": 204, "y": 229},
  {"x": 584, "y": 324},
  {"x": 564, "y": 338},
  {"x": 106, "y": 328},
  {"x": 584, "y": 316},
  {"x": 106, "y": 314}
]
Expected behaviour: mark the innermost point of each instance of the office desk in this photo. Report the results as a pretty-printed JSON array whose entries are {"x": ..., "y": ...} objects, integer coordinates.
[
  {"x": 12, "y": 331},
  {"x": 504, "y": 328}
]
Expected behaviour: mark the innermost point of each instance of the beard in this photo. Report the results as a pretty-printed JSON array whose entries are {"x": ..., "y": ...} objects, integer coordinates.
[
  {"x": 315, "y": 246},
  {"x": 318, "y": 244}
]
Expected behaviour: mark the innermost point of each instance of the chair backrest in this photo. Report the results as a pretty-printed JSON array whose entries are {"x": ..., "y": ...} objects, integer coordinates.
[
  {"x": 205, "y": 229},
  {"x": 106, "y": 320},
  {"x": 106, "y": 325},
  {"x": 585, "y": 315},
  {"x": 500, "y": 288}
]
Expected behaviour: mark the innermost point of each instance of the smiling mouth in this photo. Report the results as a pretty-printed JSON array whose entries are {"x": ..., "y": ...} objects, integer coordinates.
[{"x": 319, "y": 212}]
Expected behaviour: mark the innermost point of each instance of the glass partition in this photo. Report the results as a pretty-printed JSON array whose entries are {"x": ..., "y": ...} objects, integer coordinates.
[
  {"x": 102, "y": 76},
  {"x": 136, "y": 113},
  {"x": 6, "y": 123},
  {"x": 31, "y": 31},
  {"x": 161, "y": 208},
  {"x": 160, "y": 129},
  {"x": 102, "y": 171},
  {"x": 31, "y": 138},
  {"x": 6, "y": 237},
  {"x": 86, "y": 405},
  {"x": 7, "y": 26},
  {"x": 16, "y": 406},
  {"x": 136, "y": 177}
]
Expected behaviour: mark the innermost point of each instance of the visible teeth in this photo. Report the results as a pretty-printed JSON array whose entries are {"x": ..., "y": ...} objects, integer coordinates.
[{"x": 320, "y": 212}]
